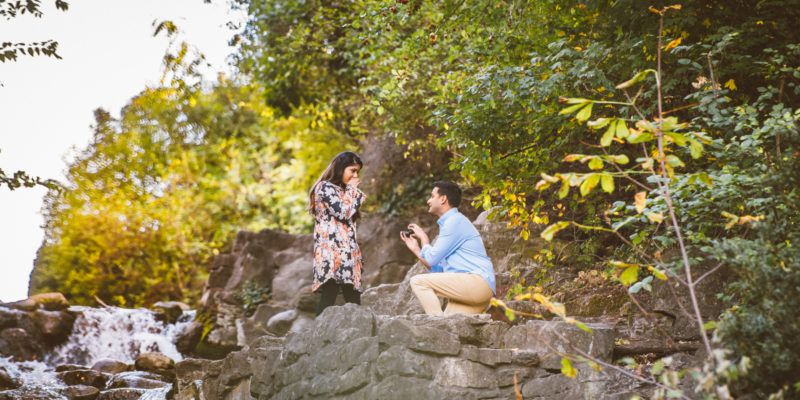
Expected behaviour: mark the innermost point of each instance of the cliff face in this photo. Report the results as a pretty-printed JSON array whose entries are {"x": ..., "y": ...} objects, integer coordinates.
[
  {"x": 386, "y": 349},
  {"x": 278, "y": 265}
]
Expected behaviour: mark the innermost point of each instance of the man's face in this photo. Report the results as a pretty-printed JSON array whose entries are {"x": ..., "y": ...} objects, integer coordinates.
[{"x": 436, "y": 202}]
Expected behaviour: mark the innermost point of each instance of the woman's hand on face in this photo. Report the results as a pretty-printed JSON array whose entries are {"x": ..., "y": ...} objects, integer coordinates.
[{"x": 354, "y": 182}]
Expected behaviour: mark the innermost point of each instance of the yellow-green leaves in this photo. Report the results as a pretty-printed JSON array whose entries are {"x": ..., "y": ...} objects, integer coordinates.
[
  {"x": 657, "y": 273},
  {"x": 582, "y": 106},
  {"x": 629, "y": 275},
  {"x": 567, "y": 369},
  {"x": 636, "y": 79},
  {"x": 607, "y": 182},
  {"x": 639, "y": 201},
  {"x": 616, "y": 128},
  {"x": 589, "y": 183},
  {"x": 551, "y": 230}
]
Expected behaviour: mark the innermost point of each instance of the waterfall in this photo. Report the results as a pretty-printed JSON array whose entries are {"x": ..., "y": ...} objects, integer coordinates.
[{"x": 117, "y": 333}]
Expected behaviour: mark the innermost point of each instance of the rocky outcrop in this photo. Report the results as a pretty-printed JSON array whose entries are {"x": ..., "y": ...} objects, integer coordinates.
[
  {"x": 279, "y": 264},
  {"x": 30, "y": 327},
  {"x": 349, "y": 352}
]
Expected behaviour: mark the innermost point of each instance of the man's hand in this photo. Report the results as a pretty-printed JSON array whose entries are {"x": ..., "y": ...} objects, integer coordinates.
[
  {"x": 418, "y": 232},
  {"x": 412, "y": 245},
  {"x": 410, "y": 242}
]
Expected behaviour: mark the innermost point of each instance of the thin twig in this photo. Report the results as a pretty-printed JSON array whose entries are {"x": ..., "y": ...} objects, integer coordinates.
[
  {"x": 709, "y": 272},
  {"x": 668, "y": 197}
]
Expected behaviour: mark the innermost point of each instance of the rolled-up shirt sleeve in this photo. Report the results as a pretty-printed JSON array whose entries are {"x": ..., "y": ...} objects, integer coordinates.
[{"x": 445, "y": 244}]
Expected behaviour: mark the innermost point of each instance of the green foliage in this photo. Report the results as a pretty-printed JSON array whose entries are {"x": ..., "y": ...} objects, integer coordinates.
[
  {"x": 22, "y": 179},
  {"x": 161, "y": 190},
  {"x": 12, "y": 9},
  {"x": 251, "y": 295}
]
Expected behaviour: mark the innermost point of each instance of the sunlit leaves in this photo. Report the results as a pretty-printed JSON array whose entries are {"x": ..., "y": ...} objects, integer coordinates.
[
  {"x": 636, "y": 79},
  {"x": 640, "y": 200},
  {"x": 567, "y": 369},
  {"x": 550, "y": 231}
]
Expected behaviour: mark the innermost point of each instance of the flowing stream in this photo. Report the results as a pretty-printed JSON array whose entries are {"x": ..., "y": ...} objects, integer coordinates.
[{"x": 101, "y": 333}]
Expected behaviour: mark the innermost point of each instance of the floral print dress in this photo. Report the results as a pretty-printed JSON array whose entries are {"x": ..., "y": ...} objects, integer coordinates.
[{"x": 336, "y": 252}]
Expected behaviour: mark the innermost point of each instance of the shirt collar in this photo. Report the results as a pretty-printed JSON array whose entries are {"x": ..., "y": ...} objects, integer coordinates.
[{"x": 447, "y": 215}]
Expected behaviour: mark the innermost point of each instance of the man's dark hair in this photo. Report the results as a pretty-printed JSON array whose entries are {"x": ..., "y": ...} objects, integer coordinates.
[{"x": 451, "y": 190}]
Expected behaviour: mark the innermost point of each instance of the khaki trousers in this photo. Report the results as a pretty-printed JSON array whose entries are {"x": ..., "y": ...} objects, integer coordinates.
[{"x": 466, "y": 293}]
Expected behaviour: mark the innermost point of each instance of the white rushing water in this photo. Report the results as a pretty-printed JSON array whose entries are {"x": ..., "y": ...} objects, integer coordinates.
[
  {"x": 98, "y": 333},
  {"x": 119, "y": 334}
]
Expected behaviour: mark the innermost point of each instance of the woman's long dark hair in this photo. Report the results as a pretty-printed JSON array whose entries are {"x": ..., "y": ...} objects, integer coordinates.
[{"x": 335, "y": 174}]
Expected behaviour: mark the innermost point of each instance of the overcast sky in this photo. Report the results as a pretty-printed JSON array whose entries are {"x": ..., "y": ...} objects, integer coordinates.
[{"x": 109, "y": 55}]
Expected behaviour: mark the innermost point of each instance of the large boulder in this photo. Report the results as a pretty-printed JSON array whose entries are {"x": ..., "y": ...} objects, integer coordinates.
[
  {"x": 549, "y": 340},
  {"x": 170, "y": 311},
  {"x": 86, "y": 377},
  {"x": 54, "y": 326},
  {"x": 20, "y": 345},
  {"x": 122, "y": 394},
  {"x": 155, "y": 362},
  {"x": 110, "y": 366},
  {"x": 7, "y": 381},
  {"x": 80, "y": 392},
  {"x": 50, "y": 301},
  {"x": 394, "y": 298}
]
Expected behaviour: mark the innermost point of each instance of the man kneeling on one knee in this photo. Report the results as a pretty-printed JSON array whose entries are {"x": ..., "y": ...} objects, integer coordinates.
[{"x": 460, "y": 269}]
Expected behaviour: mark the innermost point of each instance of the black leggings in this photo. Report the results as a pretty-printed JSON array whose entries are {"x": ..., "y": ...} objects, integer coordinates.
[{"x": 330, "y": 289}]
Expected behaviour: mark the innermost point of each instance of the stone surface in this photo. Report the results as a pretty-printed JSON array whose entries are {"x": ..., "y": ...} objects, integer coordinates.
[
  {"x": 19, "y": 344},
  {"x": 136, "y": 382},
  {"x": 55, "y": 326},
  {"x": 86, "y": 377},
  {"x": 155, "y": 362},
  {"x": 50, "y": 301},
  {"x": 171, "y": 310},
  {"x": 121, "y": 394},
  {"x": 420, "y": 338},
  {"x": 547, "y": 339},
  {"x": 280, "y": 323},
  {"x": 81, "y": 392},
  {"x": 7, "y": 381},
  {"x": 110, "y": 366}
]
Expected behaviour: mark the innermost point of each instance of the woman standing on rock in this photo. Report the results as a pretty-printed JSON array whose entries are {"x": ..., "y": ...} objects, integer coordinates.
[{"x": 334, "y": 201}]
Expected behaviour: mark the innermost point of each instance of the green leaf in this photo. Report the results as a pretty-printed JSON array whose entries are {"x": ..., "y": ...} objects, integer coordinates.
[
  {"x": 564, "y": 191},
  {"x": 640, "y": 137},
  {"x": 510, "y": 314},
  {"x": 695, "y": 148},
  {"x": 605, "y": 141},
  {"x": 636, "y": 288},
  {"x": 710, "y": 325},
  {"x": 576, "y": 100},
  {"x": 622, "y": 129},
  {"x": 567, "y": 369},
  {"x": 657, "y": 367},
  {"x": 620, "y": 159},
  {"x": 571, "y": 109},
  {"x": 583, "y": 326},
  {"x": 679, "y": 138},
  {"x": 584, "y": 113},
  {"x": 595, "y": 163},
  {"x": 636, "y": 78},
  {"x": 551, "y": 230},
  {"x": 674, "y": 161},
  {"x": 599, "y": 123},
  {"x": 589, "y": 183},
  {"x": 629, "y": 275},
  {"x": 607, "y": 183}
]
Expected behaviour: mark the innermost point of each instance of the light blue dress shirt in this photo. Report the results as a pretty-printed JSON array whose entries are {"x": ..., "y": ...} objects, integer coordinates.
[{"x": 459, "y": 248}]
